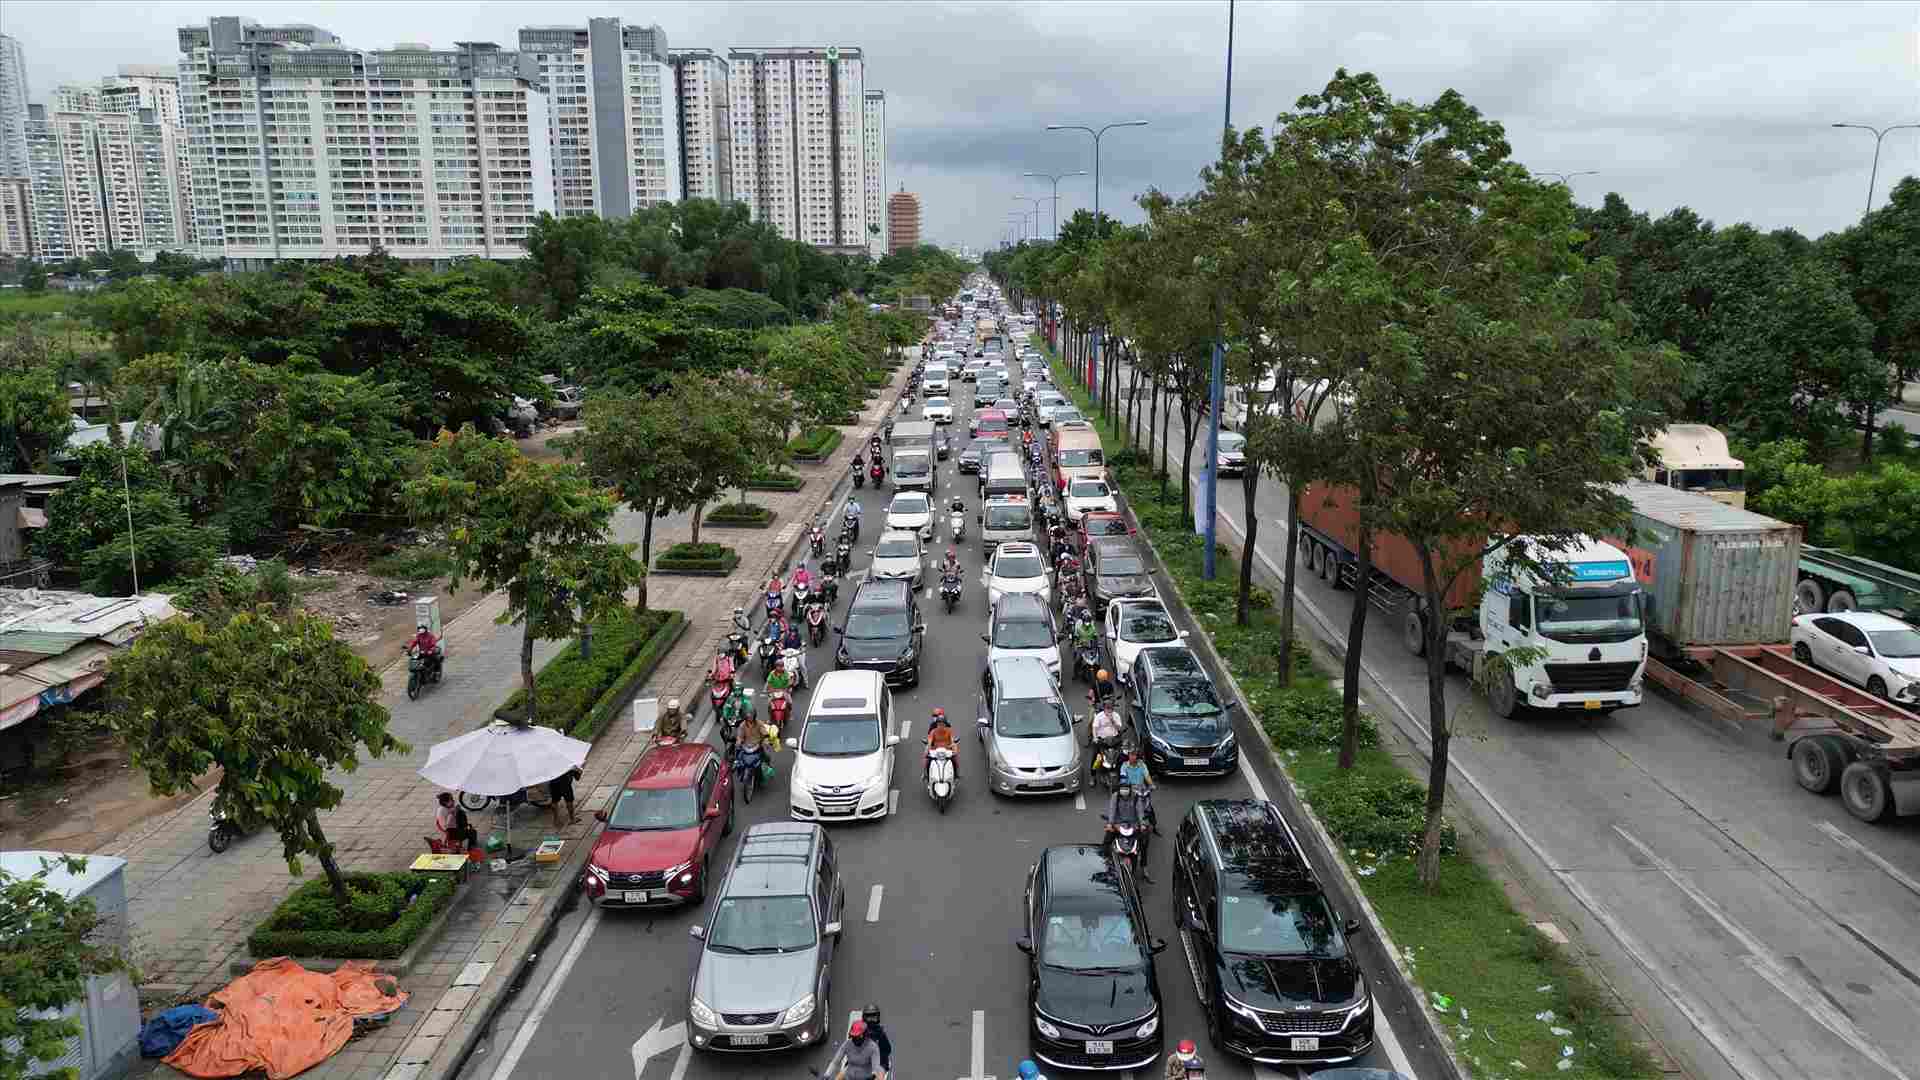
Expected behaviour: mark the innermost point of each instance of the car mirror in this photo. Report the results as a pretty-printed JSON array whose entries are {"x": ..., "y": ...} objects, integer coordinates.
[
  {"x": 1025, "y": 944},
  {"x": 697, "y": 932},
  {"x": 713, "y": 813},
  {"x": 986, "y": 639},
  {"x": 1159, "y": 946},
  {"x": 893, "y": 740},
  {"x": 599, "y": 815},
  {"x": 1353, "y": 926},
  {"x": 1863, "y": 650},
  {"x": 1190, "y": 921},
  {"x": 793, "y": 744},
  {"x": 831, "y": 928},
  {"x": 839, "y": 629},
  {"x": 1183, "y": 635}
]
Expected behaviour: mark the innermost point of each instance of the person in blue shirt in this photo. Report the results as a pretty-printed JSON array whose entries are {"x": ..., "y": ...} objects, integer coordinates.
[{"x": 1134, "y": 772}]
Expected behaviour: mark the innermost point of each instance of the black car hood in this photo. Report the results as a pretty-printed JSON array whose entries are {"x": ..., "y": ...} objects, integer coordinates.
[
  {"x": 1285, "y": 983},
  {"x": 1098, "y": 999},
  {"x": 1125, "y": 585},
  {"x": 873, "y": 648}
]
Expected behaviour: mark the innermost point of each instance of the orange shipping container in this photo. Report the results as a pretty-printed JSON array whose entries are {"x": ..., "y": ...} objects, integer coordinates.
[{"x": 1330, "y": 511}]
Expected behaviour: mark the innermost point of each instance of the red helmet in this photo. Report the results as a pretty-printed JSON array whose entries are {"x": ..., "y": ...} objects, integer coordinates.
[
  {"x": 858, "y": 1030},
  {"x": 939, "y": 711},
  {"x": 1186, "y": 1047}
]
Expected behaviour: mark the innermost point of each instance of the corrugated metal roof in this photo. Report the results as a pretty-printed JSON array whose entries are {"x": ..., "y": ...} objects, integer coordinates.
[
  {"x": 39, "y": 644},
  {"x": 1687, "y": 510}
]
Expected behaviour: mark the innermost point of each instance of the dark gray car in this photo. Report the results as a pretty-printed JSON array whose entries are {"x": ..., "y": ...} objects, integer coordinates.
[
  {"x": 1115, "y": 568},
  {"x": 767, "y": 944}
]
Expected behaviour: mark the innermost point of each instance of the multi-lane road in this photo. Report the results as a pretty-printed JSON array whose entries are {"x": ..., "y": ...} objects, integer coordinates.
[
  {"x": 933, "y": 910},
  {"x": 1761, "y": 931}
]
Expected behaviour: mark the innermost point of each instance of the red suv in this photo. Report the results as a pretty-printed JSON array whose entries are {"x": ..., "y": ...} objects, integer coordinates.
[
  {"x": 989, "y": 422},
  {"x": 663, "y": 827},
  {"x": 1096, "y": 523}
]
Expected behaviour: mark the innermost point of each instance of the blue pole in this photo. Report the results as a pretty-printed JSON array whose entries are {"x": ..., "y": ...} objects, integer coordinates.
[{"x": 1212, "y": 485}]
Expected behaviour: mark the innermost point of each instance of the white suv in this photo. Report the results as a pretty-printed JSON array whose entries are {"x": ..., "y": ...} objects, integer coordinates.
[{"x": 843, "y": 764}]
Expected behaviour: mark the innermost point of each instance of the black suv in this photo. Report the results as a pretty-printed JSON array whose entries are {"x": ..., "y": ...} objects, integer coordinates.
[
  {"x": 1270, "y": 958},
  {"x": 883, "y": 632},
  {"x": 1092, "y": 999},
  {"x": 1189, "y": 726},
  {"x": 1116, "y": 569}
]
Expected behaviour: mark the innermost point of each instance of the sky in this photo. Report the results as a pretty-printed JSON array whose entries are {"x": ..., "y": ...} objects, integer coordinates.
[{"x": 1723, "y": 107}]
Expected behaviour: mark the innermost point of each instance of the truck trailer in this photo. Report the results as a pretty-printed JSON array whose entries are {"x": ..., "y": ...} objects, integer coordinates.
[{"x": 1586, "y": 629}]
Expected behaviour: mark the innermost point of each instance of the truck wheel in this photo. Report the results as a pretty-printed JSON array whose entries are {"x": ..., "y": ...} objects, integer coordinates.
[
  {"x": 1310, "y": 554},
  {"x": 1413, "y": 632},
  {"x": 1866, "y": 792},
  {"x": 1841, "y": 600},
  {"x": 1501, "y": 693},
  {"x": 1809, "y": 596},
  {"x": 1817, "y": 764}
]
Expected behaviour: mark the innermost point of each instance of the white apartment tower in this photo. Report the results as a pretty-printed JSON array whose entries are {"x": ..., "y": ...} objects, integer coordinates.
[
  {"x": 13, "y": 108},
  {"x": 16, "y": 217},
  {"x": 874, "y": 180},
  {"x": 706, "y": 133},
  {"x": 302, "y": 148},
  {"x": 101, "y": 182},
  {"x": 615, "y": 128},
  {"x": 799, "y": 148}
]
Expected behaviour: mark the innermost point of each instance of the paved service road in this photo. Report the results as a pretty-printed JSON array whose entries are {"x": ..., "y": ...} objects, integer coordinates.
[
  {"x": 1762, "y": 930},
  {"x": 933, "y": 909}
]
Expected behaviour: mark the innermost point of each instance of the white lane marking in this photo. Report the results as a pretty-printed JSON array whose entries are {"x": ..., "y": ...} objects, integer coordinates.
[
  {"x": 1859, "y": 849},
  {"x": 1767, "y": 964},
  {"x": 893, "y": 802},
  {"x": 873, "y": 904},
  {"x": 522, "y": 1038},
  {"x": 1079, "y": 800},
  {"x": 906, "y": 725},
  {"x": 680, "y": 1063},
  {"x": 979, "y": 1044}
]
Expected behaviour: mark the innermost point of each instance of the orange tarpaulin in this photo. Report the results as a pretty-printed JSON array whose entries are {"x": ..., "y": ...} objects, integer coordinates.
[{"x": 284, "y": 1019}]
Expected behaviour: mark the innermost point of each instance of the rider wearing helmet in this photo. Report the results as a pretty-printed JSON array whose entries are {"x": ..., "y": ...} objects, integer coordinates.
[
  {"x": 1127, "y": 806},
  {"x": 940, "y": 737},
  {"x": 871, "y": 1015},
  {"x": 1030, "y": 1071},
  {"x": 1103, "y": 688},
  {"x": 952, "y": 565},
  {"x": 860, "y": 1056},
  {"x": 1176, "y": 1067},
  {"x": 671, "y": 724}
]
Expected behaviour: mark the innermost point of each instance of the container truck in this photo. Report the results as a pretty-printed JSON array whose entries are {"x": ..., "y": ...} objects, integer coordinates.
[
  {"x": 1586, "y": 630},
  {"x": 1694, "y": 457},
  {"x": 1720, "y": 586}
]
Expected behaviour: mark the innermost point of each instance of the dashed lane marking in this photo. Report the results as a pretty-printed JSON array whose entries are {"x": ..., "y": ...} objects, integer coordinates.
[{"x": 873, "y": 903}]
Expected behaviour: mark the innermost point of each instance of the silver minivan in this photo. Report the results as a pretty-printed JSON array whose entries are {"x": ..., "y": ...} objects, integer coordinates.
[{"x": 1026, "y": 731}]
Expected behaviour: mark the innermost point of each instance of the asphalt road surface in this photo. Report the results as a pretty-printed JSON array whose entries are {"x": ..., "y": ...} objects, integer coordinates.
[
  {"x": 933, "y": 908},
  {"x": 1762, "y": 931}
]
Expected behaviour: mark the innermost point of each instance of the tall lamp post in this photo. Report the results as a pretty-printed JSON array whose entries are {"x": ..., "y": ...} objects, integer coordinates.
[
  {"x": 1056, "y": 194},
  {"x": 1036, "y": 200},
  {"x": 1093, "y": 361},
  {"x": 1217, "y": 386},
  {"x": 1866, "y": 223}
]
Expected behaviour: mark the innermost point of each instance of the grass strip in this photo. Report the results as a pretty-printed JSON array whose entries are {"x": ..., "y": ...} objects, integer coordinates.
[{"x": 1513, "y": 1002}]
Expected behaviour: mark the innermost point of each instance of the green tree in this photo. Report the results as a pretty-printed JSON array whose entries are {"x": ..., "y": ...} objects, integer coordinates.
[
  {"x": 35, "y": 418},
  {"x": 538, "y": 531},
  {"x": 818, "y": 367},
  {"x": 642, "y": 446},
  {"x": 560, "y": 257},
  {"x": 87, "y": 523},
  {"x": 273, "y": 700},
  {"x": 34, "y": 279},
  {"x": 48, "y": 950}
]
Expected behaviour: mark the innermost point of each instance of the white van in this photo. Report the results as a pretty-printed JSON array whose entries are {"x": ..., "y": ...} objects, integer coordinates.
[
  {"x": 1005, "y": 519},
  {"x": 934, "y": 379},
  {"x": 843, "y": 760},
  {"x": 1001, "y": 474}
]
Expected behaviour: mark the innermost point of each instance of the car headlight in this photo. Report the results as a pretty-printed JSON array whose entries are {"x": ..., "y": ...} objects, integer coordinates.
[
  {"x": 683, "y": 868},
  {"x": 1045, "y": 1028},
  {"x": 908, "y": 653},
  {"x": 701, "y": 1014},
  {"x": 597, "y": 871},
  {"x": 1227, "y": 743},
  {"x": 800, "y": 1011},
  {"x": 877, "y": 783},
  {"x": 1365, "y": 1006},
  {"x": 1239, "y": 1007},
  {"x": 1158, "y": 742},
  {"x": 1152, "y": 1025}
]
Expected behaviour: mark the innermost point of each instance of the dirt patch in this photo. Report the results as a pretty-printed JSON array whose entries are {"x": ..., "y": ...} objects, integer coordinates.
[
  {"x": 540, "y": 446},
  {"x": 373, "y": 613}
]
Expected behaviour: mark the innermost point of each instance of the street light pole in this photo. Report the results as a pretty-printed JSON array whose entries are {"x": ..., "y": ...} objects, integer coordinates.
[
  {"x": 1218, "y": 385},
  {"x": 1036, "y": 200},
  {"x": 1093, "y": 361},
  {"x": 1056, "y": 195},
  {"x": 1866, "y": 224}
]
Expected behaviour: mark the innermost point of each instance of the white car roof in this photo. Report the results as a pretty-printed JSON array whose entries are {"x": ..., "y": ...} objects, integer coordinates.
[{"x": 1865, "y": 620}]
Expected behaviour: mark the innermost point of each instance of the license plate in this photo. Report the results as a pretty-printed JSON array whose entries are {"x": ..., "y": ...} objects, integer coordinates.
[
  {"x": 1194, "y": 761},
  {"x": 761, "y": 1040},
  {"x": 1592, "y": 706},
  {"x": 1100, "y": 1046},
  {"x": 636, "y": 896},
  {"x": 1306, "y": 1044}
]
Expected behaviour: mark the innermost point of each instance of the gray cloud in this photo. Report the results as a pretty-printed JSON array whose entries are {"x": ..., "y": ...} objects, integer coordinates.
[{"x": 1721, "y": 107}]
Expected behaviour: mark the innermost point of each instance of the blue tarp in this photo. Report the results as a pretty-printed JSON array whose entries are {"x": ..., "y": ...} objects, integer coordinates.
[{"x": 166, "y": 1029}]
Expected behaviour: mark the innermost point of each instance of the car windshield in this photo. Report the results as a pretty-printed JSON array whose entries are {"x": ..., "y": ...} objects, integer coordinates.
[
  {"x": 657, "y": 808},
  {"x": 1031, "y": 718},
  {"x": 1279, "y": 926},
  {"x": 909, "y": 466},
  {"x": 876, "y": 625},
  {"x": 840, "y": 735},
  {"x": 1009, "y": 517},
  {"x": 1006, "y": 404},
  {"x": 1121, "y": 565},
  {"x": 1087, "y": 489},
  {"x": 1901, "y": 644},
  {"x": 762, "y": 924},
  {"x": 1232, "y": 442},
  {"x": 897, "y": 548},
  {"x": 1074, "y": 458},
  {"x": 1090, "y": 942},
  {"x": 1106, "y": 526},
  {"x": 1017, "y": 566},
  {"x": 1148, "y": 625},
  {"x": 1021, "y": 634},
  {"x": 1574, "y": 617},
  {"x": 910, "y": 504},
  {"x": 936, "y": 403},
  {"x": 1183, "y": 697}
]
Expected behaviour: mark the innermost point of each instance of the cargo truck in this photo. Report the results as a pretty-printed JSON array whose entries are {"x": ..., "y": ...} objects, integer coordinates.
[
  {"x": 1720, "y": 586},
  {"x": 911, "y": 435},
  {"x": 1586, "y": 630}
]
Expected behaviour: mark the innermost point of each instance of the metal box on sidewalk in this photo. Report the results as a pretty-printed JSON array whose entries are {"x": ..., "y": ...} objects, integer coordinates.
[{"x": 108, "y": 1009}]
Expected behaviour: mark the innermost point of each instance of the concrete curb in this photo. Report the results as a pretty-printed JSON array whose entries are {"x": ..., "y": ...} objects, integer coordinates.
[{"x": 428, "y": 1056}]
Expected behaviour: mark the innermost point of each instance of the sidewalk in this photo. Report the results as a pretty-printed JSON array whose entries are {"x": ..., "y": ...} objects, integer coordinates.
[{"x": 191, "y": 910}]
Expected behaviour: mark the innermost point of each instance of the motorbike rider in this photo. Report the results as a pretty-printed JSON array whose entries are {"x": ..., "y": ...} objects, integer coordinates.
[
  {"x": 671, "y": 724},
  {"x": 1134, "y": 771},
  {"x": 790, "y": 639},
  {"x": 1030, "y": 1071},
  {"x": 1103, "y": 691},
  {"x": 940, "y": 737},
  {"x": 1178, "y": 1060},
  {"x": 802, "y": 579},
  {"x": 871, "y": 1014},
  {"x": 428, "y": 645},
  {"x": 950, "y": 568},
  {"x": 1106, "y": 726},
  {"x": 860, "y": 1056},
  {"x": 1128, "y": 806}
]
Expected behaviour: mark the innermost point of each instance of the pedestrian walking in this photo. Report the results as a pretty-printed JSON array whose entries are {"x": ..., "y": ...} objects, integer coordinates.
[{"x": 561, "y": 787}]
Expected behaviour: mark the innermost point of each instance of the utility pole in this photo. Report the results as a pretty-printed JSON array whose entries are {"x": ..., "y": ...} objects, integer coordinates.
[{"x": 1217, "y": 387}]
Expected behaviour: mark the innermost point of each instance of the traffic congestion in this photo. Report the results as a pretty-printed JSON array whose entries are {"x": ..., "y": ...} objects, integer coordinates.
[{"x": 960, "y": 777}]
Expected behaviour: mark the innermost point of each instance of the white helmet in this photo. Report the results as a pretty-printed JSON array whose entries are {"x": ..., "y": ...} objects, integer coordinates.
[{"x": 673, "y": 704}]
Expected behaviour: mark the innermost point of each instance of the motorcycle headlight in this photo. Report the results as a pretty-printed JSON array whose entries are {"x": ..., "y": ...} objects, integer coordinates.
[
  {"x": 800, "y": 1011},
  {"x": 1045, "y": 1028},
  {"x": 701, "y": 1014},
  {"x": 1147, "y": 1029}
]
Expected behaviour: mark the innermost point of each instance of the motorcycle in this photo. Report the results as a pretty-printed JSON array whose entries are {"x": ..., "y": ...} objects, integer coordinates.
[
  {"x": 1086, "y": 660},
  {"x": 422, "y": 670},
  {"x": 1123, "y": 846},
  {"x": 720, "y": 680},
  {"x": 817, "y": 540},
  {"x": 877, "y": 474},
  {"x": 849, "y": 532},
  {"x": 746, "y": 772},
  {"x": 957, "y": 520},
  {"x": 779, "y": 708},
  {"x": 859, "y": 477},
  {"x": 793, "y": 660},
  {"x": 222, "y": 830},
  {"x": 1105, "y": 767},
  {"x": 940, "y": 777},
  {"x": 739, "y": 649},
  {"x": 830, "y": 586},
  {"x": 950, "y": 590},
  {"x": 802, "y": 593},
  {"x": 816, "y": 623},
  {"x": 776, "y": 599},
  {"x": 769, "y": 655}
]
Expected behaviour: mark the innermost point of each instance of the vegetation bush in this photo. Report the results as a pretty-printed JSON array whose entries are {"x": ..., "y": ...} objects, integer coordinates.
[
  {"x": 412, "y": 564},
  {"x": 1874, "y": 512},
  {"x": 570, "y": 684},
  {"x": 775, "y": 480},
  {"x": 387, "y": 913},
  {"x": 698, "y": 557},
  {"x": 876, "y": 379},
  {"x": 1309, "y": 719},
  {"x": 815, "y": 443},
  {"x": 740, "y": 513},
  {"x": 1386, "y": 814}
]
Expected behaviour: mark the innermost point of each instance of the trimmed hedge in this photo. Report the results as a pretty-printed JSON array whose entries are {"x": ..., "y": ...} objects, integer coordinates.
[
  {"x": 636, "y": 672},
  {"x": 571, "y": 685},
  {"x": 387, "y": 913},
  {"x": 718, "y": 558},
  {"x": 876, "y": 379},
  {"x": 744, "y": 515},
  {"x": 817, "y": 443},
  {"x": 776, "y": 481}
]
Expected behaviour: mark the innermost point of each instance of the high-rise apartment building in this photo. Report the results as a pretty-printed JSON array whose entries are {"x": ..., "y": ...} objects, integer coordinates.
[
  {"x": 103, "y": 182},
  {"x": 13, "y": 108},
  {"x": 799, "y": 147},
  {"x": 16, "y": 217},
  {"x": 615, "y": 126},
  {"x": 874, "y": 180},
  {"x": 142, "y": 86},
  {"x": 302, "y": 148},
  {"x": 903, "y": 220},
  {"x": 706, "y": 133}
]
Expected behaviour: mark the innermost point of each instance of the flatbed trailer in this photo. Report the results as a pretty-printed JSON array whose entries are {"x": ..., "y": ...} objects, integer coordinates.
[
  {"x": 1831, "y": 580},
  {"x": 1838, "y": 736}
]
